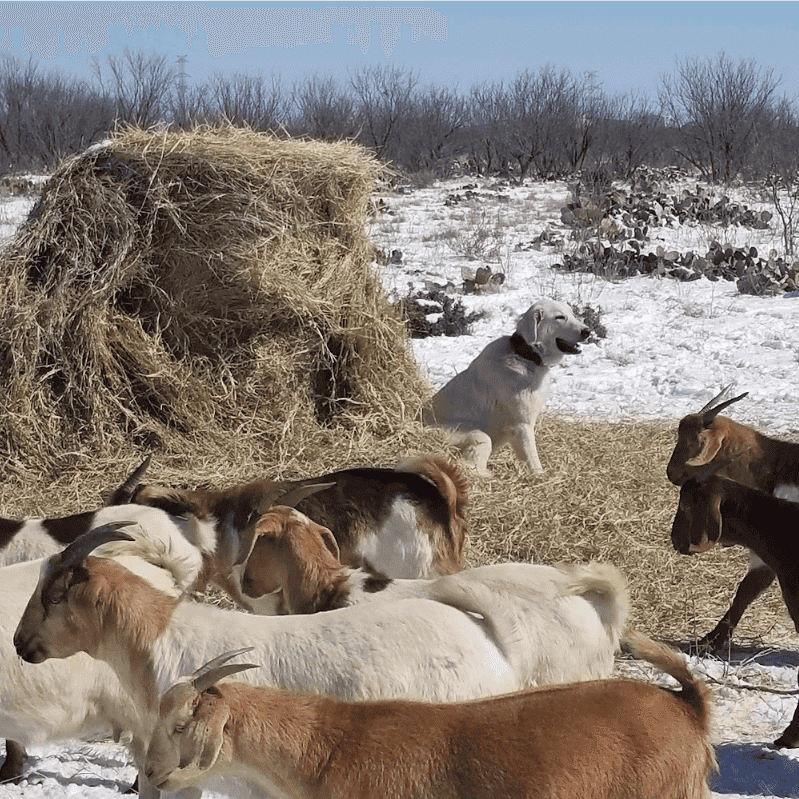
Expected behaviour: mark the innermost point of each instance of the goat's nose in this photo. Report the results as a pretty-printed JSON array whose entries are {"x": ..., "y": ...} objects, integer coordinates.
[{"x": 29, "y": 652}]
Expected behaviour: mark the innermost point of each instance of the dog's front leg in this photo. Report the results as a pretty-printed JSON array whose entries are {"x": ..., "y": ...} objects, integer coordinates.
[
  {"x": 475, "y": 447},
  {"x": 523, "y": 442}
]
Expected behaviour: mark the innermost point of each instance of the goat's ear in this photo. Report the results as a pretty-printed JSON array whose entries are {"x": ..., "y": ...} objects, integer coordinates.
[
  {"x": 711, "y": 440},
  {"x": 208, "y": 727},
  {"x": 269, "y": 525},
  {"x": 329, "y": 541}
]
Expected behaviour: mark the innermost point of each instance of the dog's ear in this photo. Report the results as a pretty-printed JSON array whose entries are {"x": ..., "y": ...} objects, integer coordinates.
[
  {"x": 527, "y": 325},
  {"x": 536, "y": 317}
]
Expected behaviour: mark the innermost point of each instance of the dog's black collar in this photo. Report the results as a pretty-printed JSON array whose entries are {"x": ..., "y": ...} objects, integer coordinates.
[{"x": 521, "y": 348}]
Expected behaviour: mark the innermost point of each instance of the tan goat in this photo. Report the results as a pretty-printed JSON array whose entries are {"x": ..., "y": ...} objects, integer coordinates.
[{"x": 597, "y": 740}]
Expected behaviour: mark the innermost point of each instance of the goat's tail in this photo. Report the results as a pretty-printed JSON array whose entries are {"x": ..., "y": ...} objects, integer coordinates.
[
  {"x": 605, "y": 587},
  {"x": 452, "y": 484},
  {"x": 695, "y": 692}
]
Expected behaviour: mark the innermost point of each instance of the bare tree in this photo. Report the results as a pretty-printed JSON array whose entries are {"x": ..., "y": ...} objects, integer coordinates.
[
  {"x": 141, "y": 86},
  {"x": 45, "y": 116},
  {"x": 251, "y": 99},
  {"x": 716, "y": 106},
  {"x": 777, "y": 158},
  {"x": 544, "y": 121},
  {"x": 486, "y": 136},
  {"x": 383, "y": 99},
  {"x": 65, "y": 117},
  {"x": 585, "y": 110},
  {"x": 323, "y": 108},
  {"x": 432, "y": 130},
  {"x": 628, "y": 135}
]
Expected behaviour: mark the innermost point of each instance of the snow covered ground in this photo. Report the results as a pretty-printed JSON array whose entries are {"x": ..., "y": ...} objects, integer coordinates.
[{"x": 669, "y": 347}]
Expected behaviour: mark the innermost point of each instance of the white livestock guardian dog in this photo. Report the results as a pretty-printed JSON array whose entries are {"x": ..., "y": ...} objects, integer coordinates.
[{"x": 499, "y": 396}]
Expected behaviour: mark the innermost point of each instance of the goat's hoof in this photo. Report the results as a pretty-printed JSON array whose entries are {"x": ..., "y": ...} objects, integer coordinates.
[
  {"x": 789, "y": 739},
  {"x": 714, "y": 641},
  {"x": 11, "y": 770}
]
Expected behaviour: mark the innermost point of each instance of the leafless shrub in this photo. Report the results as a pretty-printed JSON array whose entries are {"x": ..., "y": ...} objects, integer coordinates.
[
  {"x": 383, "y": 101},
  {"x": 716, "y": 107},
  {"x": 323, "y": 108},
  {"x": 44, "y": 116},
  {"x": 250, "y": 99},
  {"x": 141, "y": 85}
]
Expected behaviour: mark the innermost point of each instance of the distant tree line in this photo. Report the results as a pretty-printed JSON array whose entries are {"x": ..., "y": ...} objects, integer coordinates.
[{"x": 722, "y": 117}]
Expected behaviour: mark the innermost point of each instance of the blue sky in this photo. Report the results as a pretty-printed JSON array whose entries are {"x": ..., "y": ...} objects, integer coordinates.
[{"x": 627, "y": 44}]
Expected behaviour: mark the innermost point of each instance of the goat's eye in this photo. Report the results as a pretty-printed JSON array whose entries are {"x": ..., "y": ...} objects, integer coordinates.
[{"x": 179, "y": 729}]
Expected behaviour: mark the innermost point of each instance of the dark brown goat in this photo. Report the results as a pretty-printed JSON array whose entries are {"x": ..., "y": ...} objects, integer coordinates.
[
  {"x": 715, "y": 510},
  {"x": 706, "y": 441}
]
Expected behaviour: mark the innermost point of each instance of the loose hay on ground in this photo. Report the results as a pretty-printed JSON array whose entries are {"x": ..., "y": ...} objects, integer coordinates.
[{"x": 604, "y": 495}]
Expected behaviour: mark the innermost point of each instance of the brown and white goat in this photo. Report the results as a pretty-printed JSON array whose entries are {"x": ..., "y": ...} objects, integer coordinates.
[
  {"x": 715, "y": 510},
  {"x": 596, "y": 740},
  {"x": 409, "y": 521},
  {"x": 706, "y": 441},
  {"x": 28, "y": 539}
]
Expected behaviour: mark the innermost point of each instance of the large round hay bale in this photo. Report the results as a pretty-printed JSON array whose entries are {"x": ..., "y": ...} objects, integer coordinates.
[{"x": 174, "y": 288}]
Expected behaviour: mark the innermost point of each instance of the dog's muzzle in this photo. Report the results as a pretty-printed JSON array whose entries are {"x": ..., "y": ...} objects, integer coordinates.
[
  {"x": 564, "y": 346},
  {"x": 572, "y": 349}
]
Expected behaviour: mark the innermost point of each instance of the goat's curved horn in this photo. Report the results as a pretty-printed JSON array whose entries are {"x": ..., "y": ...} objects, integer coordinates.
[
  {"x": 295, "y": 495},
  {"x": 214, "y": 670},
  {"x": 715, "y": 399},
  {"x": 290, "y": 494},
  {"x": 88, "y": 542},
  {"x": 123, "y": 494},
  {"x": 709, "y": 412}
]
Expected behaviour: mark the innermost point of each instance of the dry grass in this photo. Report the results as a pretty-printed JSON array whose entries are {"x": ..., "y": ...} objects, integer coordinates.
[{"x": 604, "y": 495}]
